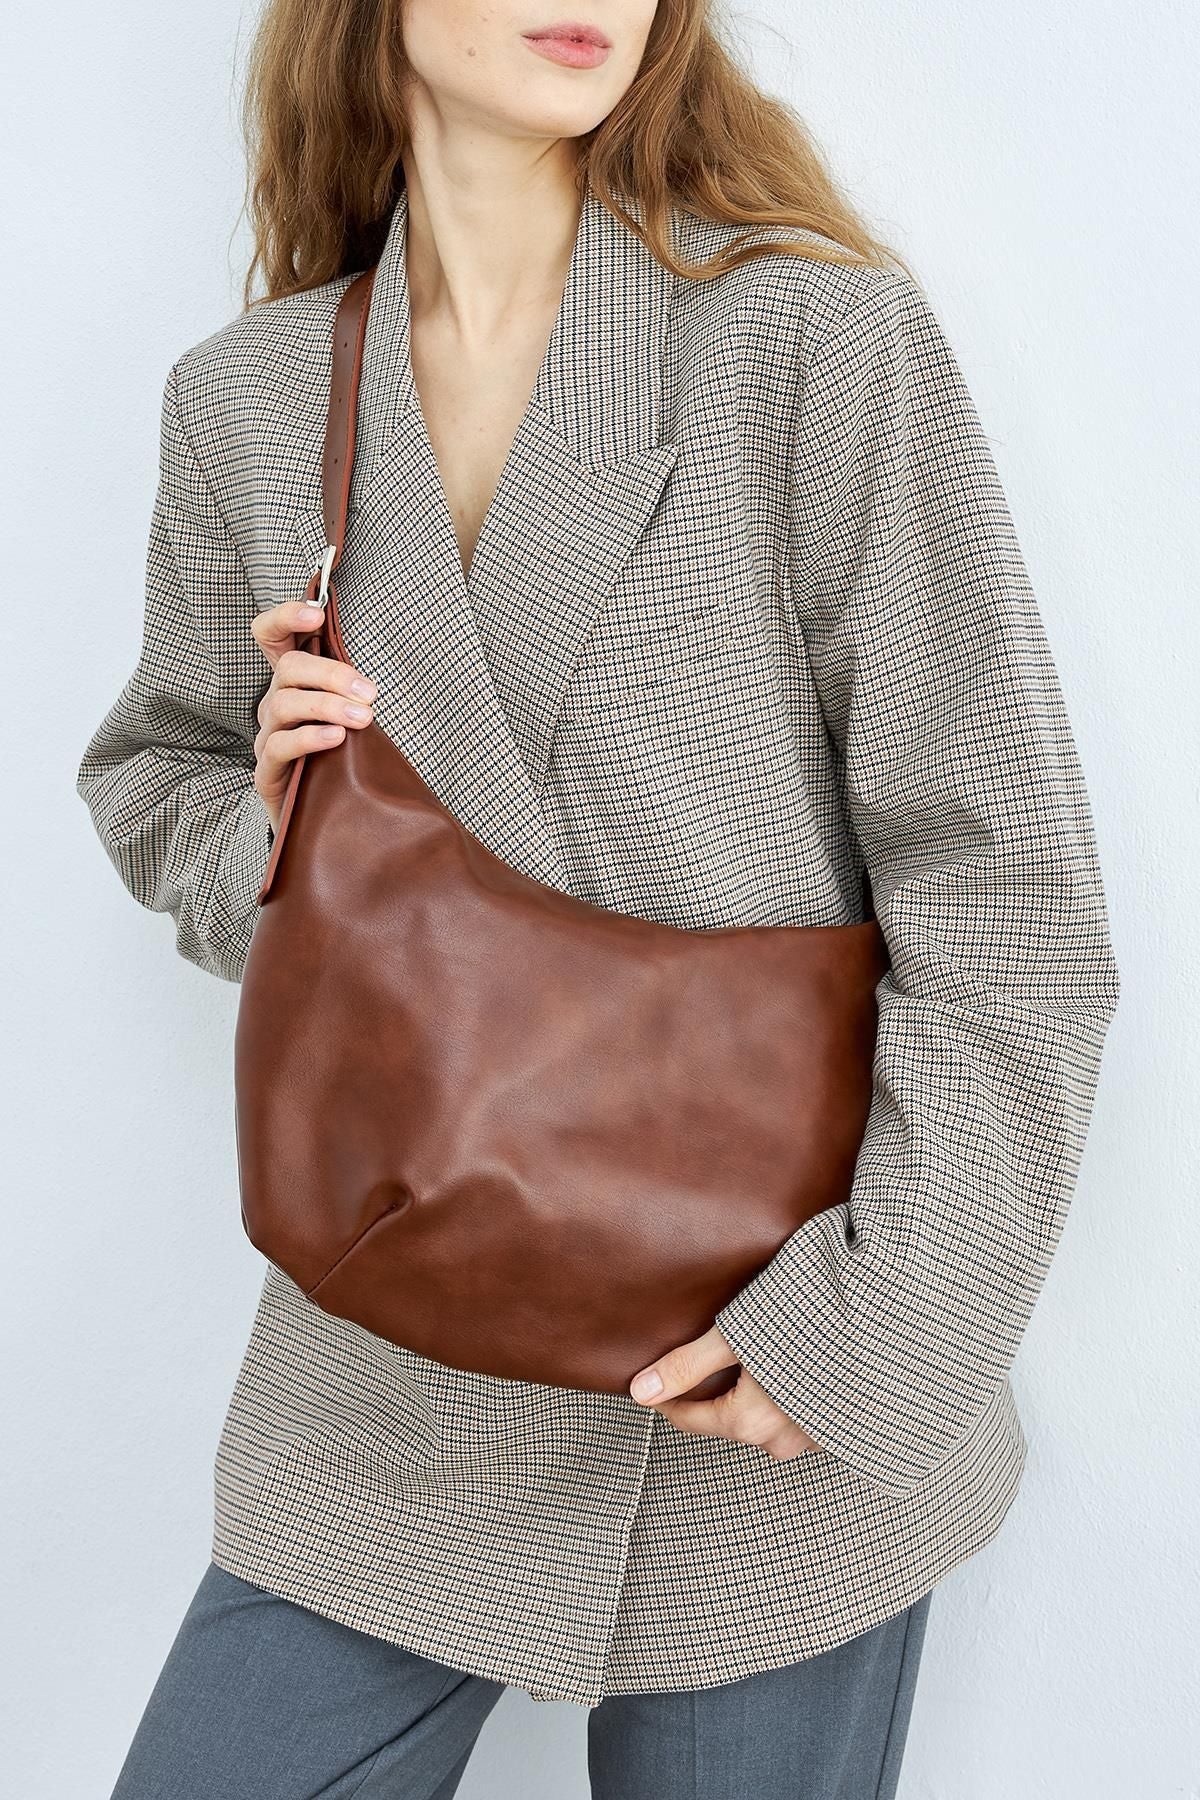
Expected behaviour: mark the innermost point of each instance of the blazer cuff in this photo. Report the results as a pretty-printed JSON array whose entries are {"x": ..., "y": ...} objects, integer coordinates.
[
  {"x": 799, "y": 1347},
  {"x": 243, "y": 866}
]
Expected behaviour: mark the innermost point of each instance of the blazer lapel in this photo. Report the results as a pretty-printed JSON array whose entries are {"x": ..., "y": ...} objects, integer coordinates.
[
  {"x": 407, "y": 623},
  {"x": 584, "y": 474},
  {"x": 470, "y": 675}
]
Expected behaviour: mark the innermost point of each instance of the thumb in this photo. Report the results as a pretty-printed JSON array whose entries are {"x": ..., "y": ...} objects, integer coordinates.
[
  {"x": 682, "y": 1369},
  {"x": 283, "y": 627}
]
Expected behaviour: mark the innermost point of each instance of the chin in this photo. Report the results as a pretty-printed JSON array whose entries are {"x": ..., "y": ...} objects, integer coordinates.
[{"x": 566, "y": 120}]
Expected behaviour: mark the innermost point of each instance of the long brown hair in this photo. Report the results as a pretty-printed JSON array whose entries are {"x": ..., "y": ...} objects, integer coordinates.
[{"x": 323, "y": 117}]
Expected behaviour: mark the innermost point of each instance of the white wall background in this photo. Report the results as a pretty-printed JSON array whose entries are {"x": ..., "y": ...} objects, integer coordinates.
[{"x": 1032, "y": 162}]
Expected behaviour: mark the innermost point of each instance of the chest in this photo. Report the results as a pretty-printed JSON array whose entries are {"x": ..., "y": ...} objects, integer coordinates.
[
  {"x": 566, "y": 566},
  {"x": 473, "y": 401}
]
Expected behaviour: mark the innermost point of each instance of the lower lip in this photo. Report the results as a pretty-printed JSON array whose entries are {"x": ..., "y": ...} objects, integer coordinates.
[{"x": 572, "y": 53}]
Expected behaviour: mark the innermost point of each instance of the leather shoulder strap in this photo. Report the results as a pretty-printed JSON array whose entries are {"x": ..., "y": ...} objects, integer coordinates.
[
  {"x": 337, "y": 463},
  {"x": 349, "y": 333}
]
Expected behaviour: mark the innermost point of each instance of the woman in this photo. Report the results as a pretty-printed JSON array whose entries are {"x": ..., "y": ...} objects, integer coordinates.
[{"x": 685, "y": 578}]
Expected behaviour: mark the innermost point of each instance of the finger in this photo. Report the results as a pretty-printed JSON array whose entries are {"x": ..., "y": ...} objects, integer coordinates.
[
  {"x": 681, "y": 1369},
  {"x": 282, "y": 707},
  {"x": 301, "y": 669},
  {"x": 744, "y": 1415},
  {"x": 789, "y": 1442},
  {"x": 278, "y": 749},
  {"x": 719, "y": 1417},
  {"x": 275, "y": 628}
]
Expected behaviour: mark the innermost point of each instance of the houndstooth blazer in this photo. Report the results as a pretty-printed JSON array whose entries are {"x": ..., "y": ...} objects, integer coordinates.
[{"x": 746, "y": 610}]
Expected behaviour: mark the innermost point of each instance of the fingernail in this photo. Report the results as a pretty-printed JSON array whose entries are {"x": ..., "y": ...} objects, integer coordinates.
[
  {"x": 646, "y": 1386},
  {"x": 356, "y": 712},
  {"x": 311, "y": 614},
  {"x": 359, "y": 686}
]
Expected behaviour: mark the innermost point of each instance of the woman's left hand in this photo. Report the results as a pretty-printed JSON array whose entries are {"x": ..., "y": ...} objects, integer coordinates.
[{"x": 746, "y": 1413}]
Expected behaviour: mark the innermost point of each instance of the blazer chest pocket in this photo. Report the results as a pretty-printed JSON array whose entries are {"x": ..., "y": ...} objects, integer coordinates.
[{"x": 628, "y": 656}]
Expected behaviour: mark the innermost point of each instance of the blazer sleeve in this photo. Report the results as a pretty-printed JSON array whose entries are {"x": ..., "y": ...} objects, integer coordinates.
[
  {"x": 168, "y": 772},
  {"x": 886, "y": 1325}
]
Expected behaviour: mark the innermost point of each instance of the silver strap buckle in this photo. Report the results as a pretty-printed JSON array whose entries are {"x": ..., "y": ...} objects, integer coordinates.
[{"x": 327, "y": 562}]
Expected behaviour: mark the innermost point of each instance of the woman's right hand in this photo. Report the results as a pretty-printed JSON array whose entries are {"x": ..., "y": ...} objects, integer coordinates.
[{"x": 310, "y": 703}]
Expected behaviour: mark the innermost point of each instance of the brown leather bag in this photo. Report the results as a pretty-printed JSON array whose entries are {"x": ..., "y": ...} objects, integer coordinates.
[{"x": 503, "y": 1127}]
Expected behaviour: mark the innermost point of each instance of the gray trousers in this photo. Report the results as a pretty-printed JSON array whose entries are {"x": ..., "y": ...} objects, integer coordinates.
[{"x": 260, "y": 1699}]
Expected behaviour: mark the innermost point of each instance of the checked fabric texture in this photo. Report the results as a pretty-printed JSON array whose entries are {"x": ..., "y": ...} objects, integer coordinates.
[{"x": 746, "y": 611}]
